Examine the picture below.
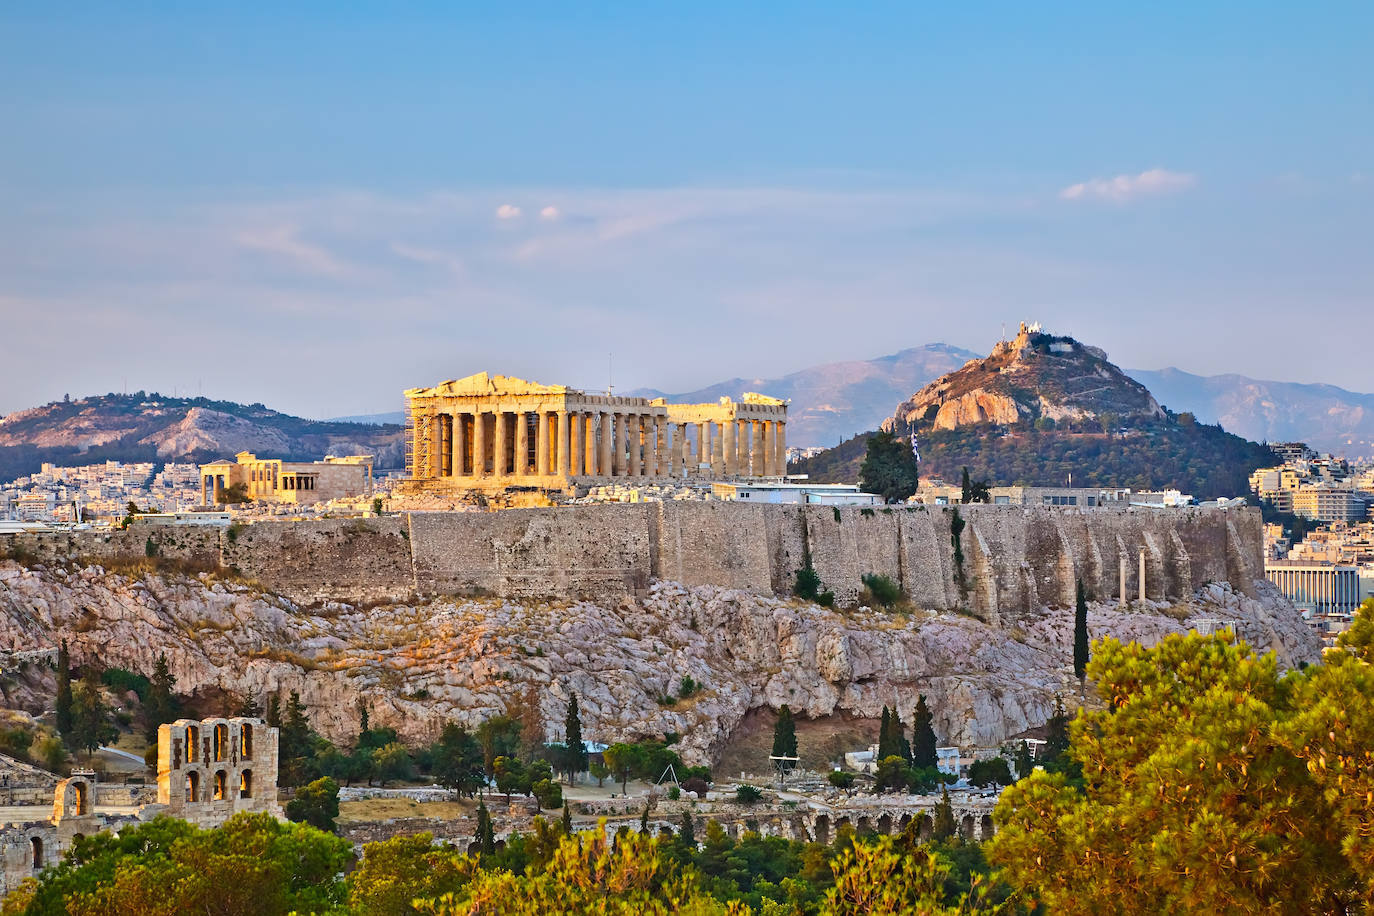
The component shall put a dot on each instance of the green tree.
(894, 773)
(992, 772)
(458, 761)
(808, 584)
(889, 468)
(840, 779)
(1056, 733)
(64, 691)
(1080, 632)
(599, 772)
(484, 837)
(624, 760)
(923, 740)
(975, 491)
(575, 754)
(942, 826)
(91, 726)
(499, 736)
(511, 776)
(316, 804)
(785, 737)
(395, 872)
(249, 706)
(879, 879)
(567, 822)
(1211, 784)
(161, 705)
(1024, 763)
(392, 762)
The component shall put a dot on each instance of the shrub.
(826, 598)
(808, 582)
(841, 780)
(549, 793)
(687, 687)
(884, 590)
(696, 785)
(748, 795)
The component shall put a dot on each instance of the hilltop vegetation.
(1203, 460)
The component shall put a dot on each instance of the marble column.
(499, 468)
(576, 452)
(664, 466)
(522, 444)
(1142, 574)
(479, 444)
(782, 447)
(589, 443)
(1125, 599)
(618, 450)
(717, 451)
(460, 441)
(541, 444)
(650, 445)
(564, 452)
(756, 463)
(604, 468)
(703, 455)
(634, 434)
(729, 431)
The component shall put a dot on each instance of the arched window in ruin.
(37, 852)
(985, 827)
(822, 829)
(221, 742)
(192, 743)
(221, 783)
(83, 802)
(246, 742)
(885, 824)
(966, 827)
(246, 784)
(193, 786)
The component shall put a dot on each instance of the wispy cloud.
(1125, 188)
(286, 242)
(432, 256)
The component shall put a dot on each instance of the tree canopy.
(889, 468)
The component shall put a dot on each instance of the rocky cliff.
(1035, 375)
(419, 665)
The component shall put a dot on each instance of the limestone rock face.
(465, 659)
(978, 406)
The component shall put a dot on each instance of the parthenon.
(488, 432)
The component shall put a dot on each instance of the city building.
(1327, 503)
(488, 433)
(941, 494)
(1319, 587)
(820, 494)
(295, 482)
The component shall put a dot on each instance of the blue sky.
(316, 208)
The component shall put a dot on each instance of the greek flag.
(915, 449)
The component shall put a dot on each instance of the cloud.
(285, 241)
(549, 213)
(431, 256)
(507, 211)
(1124, 188)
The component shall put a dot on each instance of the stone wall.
(1014, 558)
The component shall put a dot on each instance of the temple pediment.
(485, 385)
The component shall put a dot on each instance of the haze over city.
(319, 207)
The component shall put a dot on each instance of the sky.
(317, 207)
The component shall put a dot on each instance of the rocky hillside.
(1034, 376)
(418, 666)
(151, 427)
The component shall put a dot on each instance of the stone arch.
(246, 784)
(221, 748)
(192, 743)
(865, 824)
(822, 829)
(83, 798)
(924, 827)
(221, 785)
(474, 847)
(37, 845)
(966, 827)
(246, 741)
(842, 823)
(985, 828)
(885, 824)
(905, 820)
(193, 786)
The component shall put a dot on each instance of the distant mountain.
(1328, 418)
(832, 402)
(1042, 409)
(392, 418)
(151, 427)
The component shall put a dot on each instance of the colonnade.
(1326, 588)
(597, 443)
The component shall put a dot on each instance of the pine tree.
(64, 691)
(687, 835)
(1057, 732)
(889, 468)
(250, 707)
(1080, 634)
(943, 827)
(91, 726)
(274, 711)
(485, 837)
(575, 755)
(923, 740)
(567, 820)
(161, 706)
(785, 737)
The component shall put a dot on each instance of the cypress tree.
(567, 820)
(161, 706)
(967, 495)
(886, 747)
(687, 835)
(250, 706)
(923, 740)
(485, 837)
(575, 756)
(1080, 634)
(943, 827)
(902, 747)
(64, 691)
(785, 736)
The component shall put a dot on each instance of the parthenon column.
(618, 454)
(782, 447)
(1142, 574)
(650, 445)
(742, 430)
(589, 443)
(460, 443)
(703, 453)
(729, 431)
(757, 466)
(564, 452)
(522, 444)
(604, 468)
(499, 454)
(665, 467)
(717, 451)
(576, 453)
(633, 433)
(541, 444)
(479, 444)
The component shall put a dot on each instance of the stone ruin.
(207, 771)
